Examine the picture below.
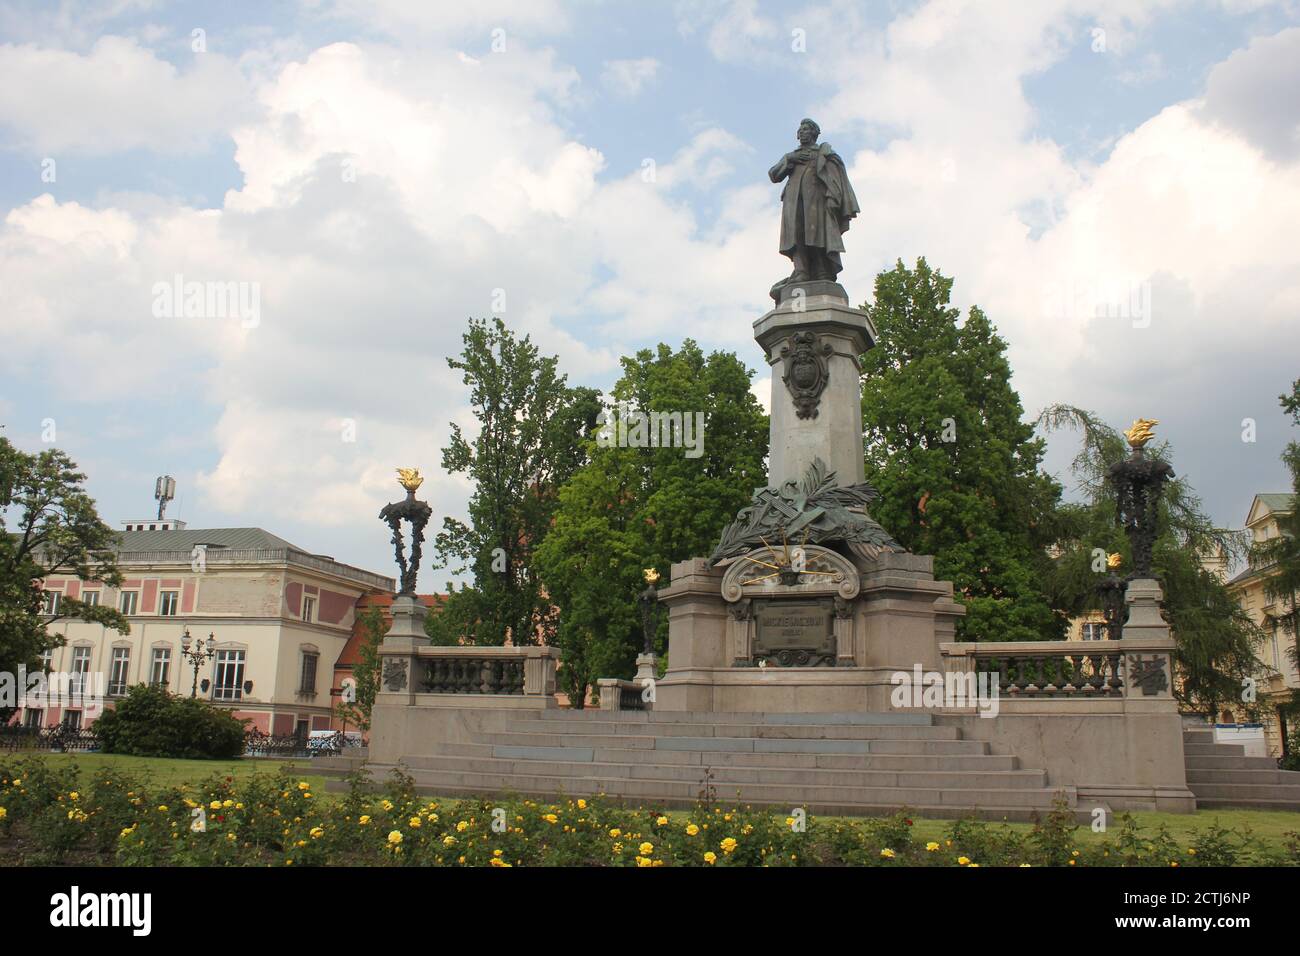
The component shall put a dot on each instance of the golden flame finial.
(650, 575)
(1113, 561)
(409, 478)
(1141, 432)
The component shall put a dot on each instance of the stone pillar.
(1148, 658)
(647, 667)
(812, 340)
(397, 674)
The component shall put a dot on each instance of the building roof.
(235, 545)
(1279, 501)
(249, 539)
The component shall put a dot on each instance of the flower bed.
(47, 818)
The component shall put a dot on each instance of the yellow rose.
(395, 837)
(616, 832)
(364, 819)
(932, 846)
(646, 848)
(582, 804)
(962, 860)
(710, 858)
(887, 853)
(692, 829)
(728, 845)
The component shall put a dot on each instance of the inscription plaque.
(795, 633)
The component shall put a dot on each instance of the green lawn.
(162, 771)
(1270, 826)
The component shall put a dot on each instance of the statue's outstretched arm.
(780, 170)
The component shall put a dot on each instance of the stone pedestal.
(889, 616)
(812, 340)
(398, 649)
(647, 667)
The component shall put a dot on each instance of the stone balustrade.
(1046, 670)
(617, 694)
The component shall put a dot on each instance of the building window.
(160, 668)
(80, 668)
(229, 676)
(50, 602)
(72, 719)
(47, 659)
(309, 608)
(128, 601)
(307, 685)
(33, 718)
(168, 603)
(90, 598)
(117, 675)
(1094, 631)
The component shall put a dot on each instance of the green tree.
(529, 442)
(631, 508)
(1215, 637)
(48, 527)
(365, 671)
(957, 467)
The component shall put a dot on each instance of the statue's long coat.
(818, 183)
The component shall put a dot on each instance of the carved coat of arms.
(806, 372)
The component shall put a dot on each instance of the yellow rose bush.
(52, 816)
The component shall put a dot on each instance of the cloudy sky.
(1116, 183)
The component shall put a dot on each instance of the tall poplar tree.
(530, 440)
(956, 464)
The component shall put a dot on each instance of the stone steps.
(955, 779)
(1222, 777)
(827, 761)
(765, 731)
(929, 801)
(861, 764)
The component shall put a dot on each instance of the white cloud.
(116, 97)
(629, 77)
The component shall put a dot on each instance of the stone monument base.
(889, 615)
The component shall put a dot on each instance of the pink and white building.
(279, 616)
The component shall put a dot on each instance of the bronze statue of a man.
(817, 204)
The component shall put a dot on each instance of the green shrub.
(150, 722)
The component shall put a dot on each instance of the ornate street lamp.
(647, 662)
(1139, 482)
(203, 651)
(1111, 591)
(406, 632)
(418, 514)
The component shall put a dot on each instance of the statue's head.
(808, 132)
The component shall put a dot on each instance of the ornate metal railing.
(1080, 674)
(472, 675)
(58, 738)
(258, 744)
